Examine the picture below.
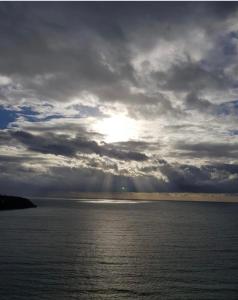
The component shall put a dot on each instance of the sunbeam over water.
(97, 249)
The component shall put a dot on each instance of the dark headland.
(13, 202)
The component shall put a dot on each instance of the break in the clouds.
(105, 96)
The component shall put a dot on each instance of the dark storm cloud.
(136, 145)
(17, 159)
(65, 145)
(159, 106)
(77, 46)
(63, 126)
(192, 76)
(208, 150)
(204, 178)
(63, 181)
(193, 101)
(56, 44)
(5, 138)
(180, 178)
(45, 144)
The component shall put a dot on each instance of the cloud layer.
(169, 68)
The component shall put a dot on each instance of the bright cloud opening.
(118, 129)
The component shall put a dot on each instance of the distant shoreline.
(188, 197)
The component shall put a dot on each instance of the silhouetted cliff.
(12, 202)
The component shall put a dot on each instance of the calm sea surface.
(67, 249)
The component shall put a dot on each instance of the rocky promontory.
(13, 202)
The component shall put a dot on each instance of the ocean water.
(67, 249)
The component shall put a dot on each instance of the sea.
(104, 250)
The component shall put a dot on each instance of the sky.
(118, 96)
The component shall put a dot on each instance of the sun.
(118, 129)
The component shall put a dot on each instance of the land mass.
(13, 202)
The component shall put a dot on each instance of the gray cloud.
(67, 146)
(76, 51)
(78, 179)
(205, 178)
(192, 76)
(208, 149)
(136, 145)
(180, 178)
(170, 67)
(192, 101)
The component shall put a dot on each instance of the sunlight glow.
(118, 129)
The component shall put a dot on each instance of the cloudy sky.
(118, 97)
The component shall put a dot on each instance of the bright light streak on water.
(98, 250)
